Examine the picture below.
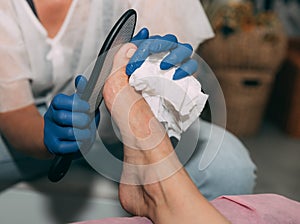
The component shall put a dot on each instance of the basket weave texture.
(245, 63)
(246, 93)
(260, 48)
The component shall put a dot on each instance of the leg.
(231, 171)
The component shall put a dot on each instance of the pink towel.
(258, 209)
(244, 209)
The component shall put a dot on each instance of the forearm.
(24, 131)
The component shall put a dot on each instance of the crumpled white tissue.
(176, 104)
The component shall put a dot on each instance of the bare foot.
(154, 183)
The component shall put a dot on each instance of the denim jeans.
(229, 171)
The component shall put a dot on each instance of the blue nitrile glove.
(180, 54)
(68, 125)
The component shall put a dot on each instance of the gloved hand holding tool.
(68, 124)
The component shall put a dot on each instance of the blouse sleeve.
(186, 19)
(15, 90)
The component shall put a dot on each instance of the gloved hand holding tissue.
(161, 68)
(179, 53)
(175, 103)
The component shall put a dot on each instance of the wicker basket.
(246, 93)
(245, 55)
(260, 48)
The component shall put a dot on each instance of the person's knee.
(222, 168)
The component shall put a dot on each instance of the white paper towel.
(176, 104)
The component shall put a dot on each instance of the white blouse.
(34, 67)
